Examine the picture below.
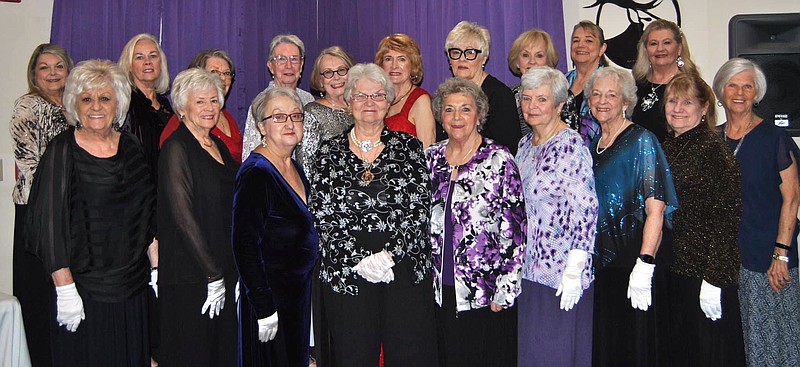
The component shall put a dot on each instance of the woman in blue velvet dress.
(274, 240)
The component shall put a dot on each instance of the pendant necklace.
(650, 100)
(396, 101)
(746, 129)
(454, 167)
(366, 145)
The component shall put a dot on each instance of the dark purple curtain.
(100, 28)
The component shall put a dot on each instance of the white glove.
(215, 301)
(711, 301)
(69, 307)
(268, 327)
(640, 284)
(154, 280)
(376, 268)
(570, 288)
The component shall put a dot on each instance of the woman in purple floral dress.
(478, 221)
(555, 309)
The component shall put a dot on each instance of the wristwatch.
(780, 258)
(648, 259)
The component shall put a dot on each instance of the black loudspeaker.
(773, 42)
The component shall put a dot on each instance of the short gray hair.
(371, 72)
(465, 30)
(261, 100)
(539, 76)
(289, 39)
(201, 59)
(625, 82)
(735, 66)
(195, 80)
(94, 74)
(461, 85)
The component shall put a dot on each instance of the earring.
(755, 104)
(483, 66)
(719, 103)
(263, 141)
(680, 62)
(703, 119)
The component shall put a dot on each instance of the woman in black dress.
(274, 240)
(90, 220)
(195, 190)
(146, 67)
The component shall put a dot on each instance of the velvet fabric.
(275, 248)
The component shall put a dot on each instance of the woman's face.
(460, 116)
(286, 65)
(534, 54)
(220, 67)
(50, 74)
(586, 47)
(202, 109)
(683, 113)
(398, 66)
(662, 48)
(739, 93)
(97, 108)
(467, 69)
(284, 134)
(146, 64)
(605, 100)
(334, 86)
(539, 107)
(368, 111)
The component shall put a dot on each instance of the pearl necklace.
(366, 145)
(611, 142)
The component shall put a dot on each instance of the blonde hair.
(126, 60)
(642, 66)
(532, 37)
(469, 30)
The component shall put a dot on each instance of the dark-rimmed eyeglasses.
(329, 73)
(280, 118)
(281, 60)
(375, 97)
(224, 74)
(469, 54)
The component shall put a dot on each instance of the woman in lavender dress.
(561, 204)
(478, 221)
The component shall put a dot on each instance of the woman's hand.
(496, 308)
(778, 274)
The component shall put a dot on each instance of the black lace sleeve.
(176, 191)
(48, 219)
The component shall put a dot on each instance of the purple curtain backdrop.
(100, 28)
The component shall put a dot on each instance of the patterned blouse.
(321, 123)
(488, 225)
(34, 122)
(251, 138)
(561, 204)
(356, 219)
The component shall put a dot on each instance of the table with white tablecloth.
(13, 346)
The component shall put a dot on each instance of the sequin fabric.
(321, 123)
(626, 174)
(706, 228)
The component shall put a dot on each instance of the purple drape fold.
(100, 28)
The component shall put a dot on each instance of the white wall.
(704, 22)
(23, 26)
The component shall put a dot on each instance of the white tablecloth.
(13, 346)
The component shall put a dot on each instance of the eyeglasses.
(282, 60)
(469, 54)
(224, 74)
(280, 118)
(376, 97)
(329, 73)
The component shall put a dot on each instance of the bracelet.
(780, 258)
(782, 246)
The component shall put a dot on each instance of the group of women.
(595, 218)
